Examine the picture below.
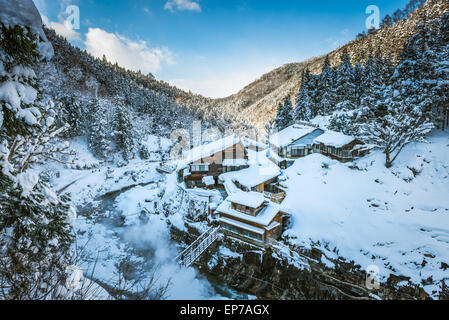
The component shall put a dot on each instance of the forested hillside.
(96, 95)
(257, 102)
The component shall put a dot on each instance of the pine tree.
(402, 124)
(325, 90)
(99, 141)
(122, 126)
(415, 77)
(306, 107)
(35, 231)
(346, 88)
(284, 116)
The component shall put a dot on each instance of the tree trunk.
(388, 163)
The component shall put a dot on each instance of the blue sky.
(212, 47)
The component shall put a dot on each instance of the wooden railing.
(196, 249)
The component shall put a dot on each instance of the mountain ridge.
(256, 103)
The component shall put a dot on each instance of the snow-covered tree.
(401, 125)
(99, 140)
(325, 91)
(35, 229)
(306, 107)
(122, 126)
(345, 84)
(284, 116)
(44, 144)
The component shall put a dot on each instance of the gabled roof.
(249, 199)
(334, 139)
(260, 170)
(290, 134)
(235, 162)
(210, 149)
(264, 218)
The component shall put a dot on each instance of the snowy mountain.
(257, 102)
(87, 213)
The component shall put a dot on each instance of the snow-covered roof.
(208, 150)
(273, 225)
(253, 143)
(308, 139)
(334, 139)
(290, 134)
(249, 199)
(235, 162)
(264, 218)
(209, 181)
(260, 170)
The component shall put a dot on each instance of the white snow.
(157, 144)
(290, 134)
(209, 181)
(249, 199)
(373, 215)
(264, 218)
(247, 143)
(235, 162)
(207, 150)
(335, 139)
(27, 181)
(224, 251)
(260, 170)
(13, 93)
(24, 13)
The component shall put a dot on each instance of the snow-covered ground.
(105, 191)
(396, 219)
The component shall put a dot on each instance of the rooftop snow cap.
(210, 149)
(249, 199)
(290, 134)
(25, 14)
(334, 139)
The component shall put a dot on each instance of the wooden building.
(202, 165)
(338, 146)
(248, 216)
(293, 142)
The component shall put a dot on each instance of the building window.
(200, 168)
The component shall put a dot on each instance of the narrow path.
(71, 183)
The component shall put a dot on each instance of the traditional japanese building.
(261, 176)
(250, 217)
(202, 165)
(293, 142)
(338, 146)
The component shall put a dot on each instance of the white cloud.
(182, 5)
(134, 55)
(63, 29)
(217, 87)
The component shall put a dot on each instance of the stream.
(104, 211)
